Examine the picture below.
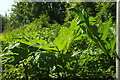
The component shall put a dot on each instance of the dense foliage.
(76, 42)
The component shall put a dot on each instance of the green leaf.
(113, 42)
(92, 20)
(105, 29)
(63, 38)
(21, 49)
(47, 47)
(73, 23)
(81, 37)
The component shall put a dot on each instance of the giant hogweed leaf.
(39, 43)
(30, 41)
(105, 29)
(67, 36)
(113, 42)
(59, 41)
(61, 36)
(62, 40)
(77, 35)
(48, 47)
(112, 46)
(74, 23)
(69, 43)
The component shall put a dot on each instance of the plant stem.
(26, 69)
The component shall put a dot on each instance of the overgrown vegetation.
(79, 44)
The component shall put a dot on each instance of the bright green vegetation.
(79, 45)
